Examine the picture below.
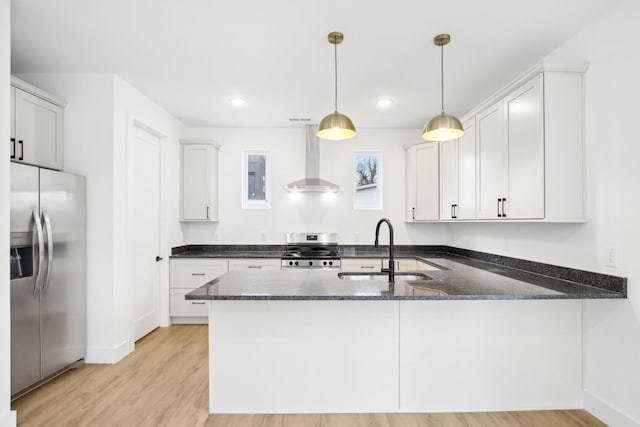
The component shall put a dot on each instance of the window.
(367, 188)
(255, 180)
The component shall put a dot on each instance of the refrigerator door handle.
(39, 234)
(47, 227)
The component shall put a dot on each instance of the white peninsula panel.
(303, 356)
(459, 356)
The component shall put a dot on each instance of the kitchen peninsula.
(495, 338)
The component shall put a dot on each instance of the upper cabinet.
(36, 126)
(199, 172)
(458, 175)
(511, 155)
(521, 156)
(422, 188)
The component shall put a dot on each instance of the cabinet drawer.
(181, 307)
(360, 264)
(254, 264)
(194, 273)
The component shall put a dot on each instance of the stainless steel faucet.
(391, 269)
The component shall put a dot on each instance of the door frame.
(134, 120)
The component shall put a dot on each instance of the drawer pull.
(197, 274)
(367, 266)
(197, 303)
(254, 266)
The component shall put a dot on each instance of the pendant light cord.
(442, 78)
(335, 73)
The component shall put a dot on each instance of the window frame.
(256, 204)
(378, 181)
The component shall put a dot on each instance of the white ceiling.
(191, 56)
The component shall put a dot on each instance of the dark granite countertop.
(459, 277)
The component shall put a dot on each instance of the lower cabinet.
(361, 264)
(254, 264)
(186, 275)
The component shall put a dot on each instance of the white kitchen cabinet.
(530, 151)
(186, 275)
(492, 161)
(361, 264)
(236, 264)
(458, 175)
(37, 121)
(448, 179)
(511, 147)
(199, 186)
(422, 182)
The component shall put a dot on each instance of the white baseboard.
(8, 419)
(104, 355)
(607, 412)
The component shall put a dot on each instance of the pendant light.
(336, 126)
(442, 127)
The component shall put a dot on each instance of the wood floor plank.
(164, 382)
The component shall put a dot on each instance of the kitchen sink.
(400, 276)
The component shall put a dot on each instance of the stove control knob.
(296, 262)
(290, 262)
(330, 262)
(310, 262)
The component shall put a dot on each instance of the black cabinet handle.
(455, 214)
(504, 214)
(413, 213)
(13, 148)
(499, 214)
(207, 212)
(21, 144)
(159, 258)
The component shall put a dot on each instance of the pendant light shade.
(442, 127)
(336, 126)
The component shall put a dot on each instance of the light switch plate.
(610, 257)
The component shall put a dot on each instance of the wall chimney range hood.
(312, 182)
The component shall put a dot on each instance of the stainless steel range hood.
(312, 181)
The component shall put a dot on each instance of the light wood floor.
(164, 383)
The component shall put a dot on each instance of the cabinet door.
(426, 182)
(466, 208)
(199, 182)
(524, 112)
(492, 159)
(12, 121)
(448, 178)
(38, 131)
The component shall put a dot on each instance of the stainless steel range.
(311, 250)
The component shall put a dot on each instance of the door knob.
(159, 258)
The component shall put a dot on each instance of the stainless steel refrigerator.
(48, 274)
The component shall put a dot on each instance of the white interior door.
(145, 230)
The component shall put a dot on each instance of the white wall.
(611, 328)
(98, 117)
(7, 417)
(308, 211)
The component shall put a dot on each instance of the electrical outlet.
(610, 257)
(356, 237)
(263, 236)
(216, 237)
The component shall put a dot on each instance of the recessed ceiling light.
(237, 102)
(384, 103)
